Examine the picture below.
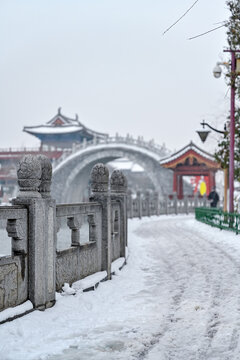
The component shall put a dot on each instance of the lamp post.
(235, 67)
(203, 134)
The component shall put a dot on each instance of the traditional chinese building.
(62, 131)
(191, 161)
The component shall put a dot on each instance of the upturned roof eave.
(80, 129)
(186, 148)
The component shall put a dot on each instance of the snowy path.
(178, 298)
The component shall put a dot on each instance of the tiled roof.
(185, 149)
(61, 124)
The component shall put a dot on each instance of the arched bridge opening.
(70, 177)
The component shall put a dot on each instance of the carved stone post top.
(118, 182)
(29, 167)
(29, 176)
(99, 178)
(46, 176)
(34, 176)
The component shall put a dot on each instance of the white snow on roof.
(184, 150)
(68, 126)
(53, 130)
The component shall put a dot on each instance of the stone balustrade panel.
(14, 268)
(79, 260)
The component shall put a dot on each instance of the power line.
(206, 32)
(180, 17)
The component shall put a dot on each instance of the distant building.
(62, 131)
(193, 162)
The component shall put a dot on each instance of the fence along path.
(35, 269)
(148, 204)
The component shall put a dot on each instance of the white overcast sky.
(108, 61)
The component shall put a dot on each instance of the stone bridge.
(72, 170)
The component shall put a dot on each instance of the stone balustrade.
(149, 204)
(36, 269)
(128, 140)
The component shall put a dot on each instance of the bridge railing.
(36, 269)
(148, 204)
(128, 140)
(14, 267)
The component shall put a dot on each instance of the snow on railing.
(129, 140)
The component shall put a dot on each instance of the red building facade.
(191, 161)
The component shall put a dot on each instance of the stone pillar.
(196, 200)
(119, 193)
(147, 201)
(175, 203)
(186, 204)
(100, 193)
(130, 204)
(205, 200)
(166, 205)
(156, 202)
(139, 204)
(34, 179)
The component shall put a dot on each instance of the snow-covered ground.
(178, 298)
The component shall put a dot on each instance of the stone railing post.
(175, 203)
(166, 205)
(205, 200)
(130, 204)
(101, 194)
(34, 179)
(119, 193)
(147, 201)
(186, 204)
(156, 202)
(139, 204)
(195, 200)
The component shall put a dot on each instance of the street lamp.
(204, 134)
(234, 72)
